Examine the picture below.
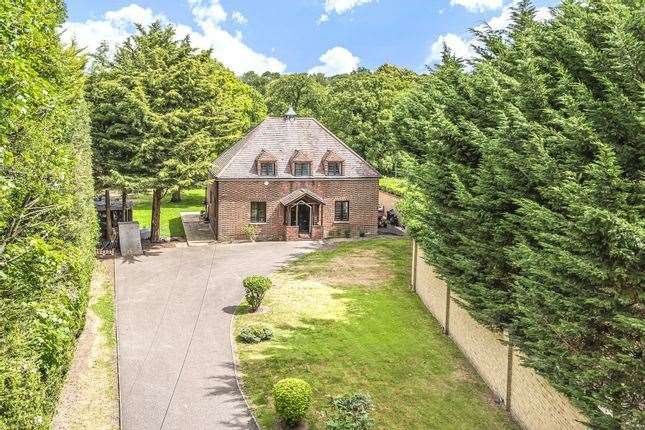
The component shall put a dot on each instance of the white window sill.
(258, 223)
(341, 222)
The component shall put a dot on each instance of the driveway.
(174, 309)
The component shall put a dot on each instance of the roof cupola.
(290, 115)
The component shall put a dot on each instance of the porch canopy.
(301, 194)
(303, 208)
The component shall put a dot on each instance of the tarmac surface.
(174, 312)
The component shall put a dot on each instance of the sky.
(287, 36)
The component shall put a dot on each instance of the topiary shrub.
(255, 334)
(292, 398)
(256, 287)
(351, 412)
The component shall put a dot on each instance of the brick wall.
(531, 400)
(231, 200)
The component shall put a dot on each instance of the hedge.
(47, 221)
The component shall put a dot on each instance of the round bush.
(292, 398)
(256, 287)
(255, 334)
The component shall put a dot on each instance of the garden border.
(236, 365)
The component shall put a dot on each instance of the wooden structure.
(117, 211)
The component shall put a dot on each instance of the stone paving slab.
(198, 232)
(174, 309)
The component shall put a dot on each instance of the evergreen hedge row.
(47, 222)
(529, 162)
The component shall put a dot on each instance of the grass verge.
(345, 320)
(89, 398)
(191, 201)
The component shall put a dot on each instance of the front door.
(304, 218)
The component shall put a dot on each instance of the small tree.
(256, 287)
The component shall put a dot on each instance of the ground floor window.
(258, 212)
(341, 210)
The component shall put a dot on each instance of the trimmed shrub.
(256, 287)
(255, 334)
(251, 232)
(292, 398)
(351, 412)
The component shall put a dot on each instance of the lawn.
(191, 201)
(344, 320)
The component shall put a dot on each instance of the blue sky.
(328, 36)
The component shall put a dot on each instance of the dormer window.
(301, 163)
(265, 163)
(334, 168)
(267, 168)
(301, 168)
(333, 163)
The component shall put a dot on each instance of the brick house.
(292, 178)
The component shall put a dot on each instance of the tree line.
(527, 166)
(358, 107)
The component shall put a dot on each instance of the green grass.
(345, 320)
(191, 201)
(396, 186)
(104, 309)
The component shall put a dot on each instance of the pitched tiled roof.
(301, 156)
(266, 156)
(298, 194)
(332, 157)
(282, 138)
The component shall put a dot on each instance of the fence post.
(509, 372)
(415, 257)
(446, 326)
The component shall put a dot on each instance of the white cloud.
(543, 14)
(212, 12)
(114, 28)
(133, 14)
(340, 7)
(460, 47)
(238, 17)
(208, 15)
(477, 5)
(335, 61)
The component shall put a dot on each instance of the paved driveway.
(174, 309)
